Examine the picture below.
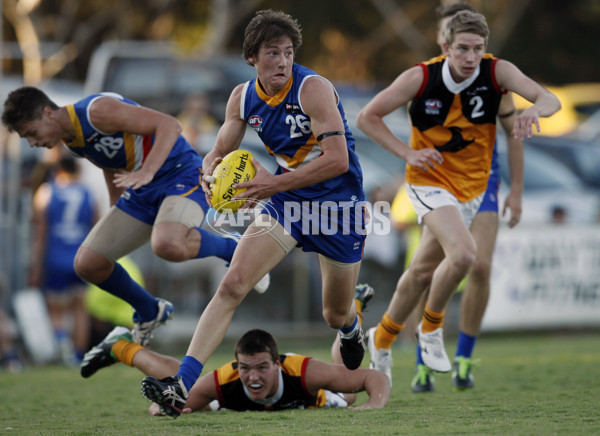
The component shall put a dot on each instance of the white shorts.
(427, 198)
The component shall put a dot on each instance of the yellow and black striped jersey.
(459, 120)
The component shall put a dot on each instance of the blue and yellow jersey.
(286, 131)
(459, 120)
(231, 393)
(119, 151)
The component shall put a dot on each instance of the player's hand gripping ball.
(236, 167)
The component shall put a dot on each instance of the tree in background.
(349, 41)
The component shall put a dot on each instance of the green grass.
(527, 385)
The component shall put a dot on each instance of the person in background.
(64, 211)
(196, 121)
(559, 215)
(455, 99)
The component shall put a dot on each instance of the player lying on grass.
(259, 379)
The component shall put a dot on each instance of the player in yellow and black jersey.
(455, 100)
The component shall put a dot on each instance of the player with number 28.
(153, 179)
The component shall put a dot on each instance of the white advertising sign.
(546, 276)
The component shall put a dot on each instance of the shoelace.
(422, 374)
(465, 364)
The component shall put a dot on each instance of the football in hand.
(235, 168)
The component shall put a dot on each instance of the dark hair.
(24, 104)
(257, 341)
(268, 25)
(449, 10)
(68, 165)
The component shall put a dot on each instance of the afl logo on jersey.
(433, 106)
(255, 122)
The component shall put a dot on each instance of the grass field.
(544, 384)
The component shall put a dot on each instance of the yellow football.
(236, 167)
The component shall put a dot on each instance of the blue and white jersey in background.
(69, 218)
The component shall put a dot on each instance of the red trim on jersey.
(303, 375)
(494, 82)
(147, 142)
(425, 79)
(218, 387)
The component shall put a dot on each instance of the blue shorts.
(183, 180)
(337, 231)
(490, 198)
(59, 276)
